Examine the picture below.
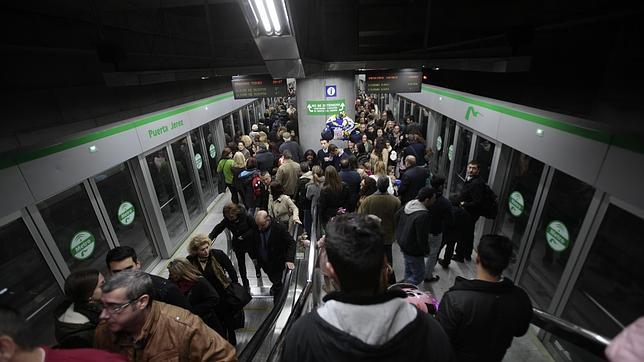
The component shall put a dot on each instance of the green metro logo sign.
(473, 112)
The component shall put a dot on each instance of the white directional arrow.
(342, 106)
(309, 107)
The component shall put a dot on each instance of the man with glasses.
(137, 326)
(124, 258)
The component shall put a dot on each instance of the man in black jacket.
(412, 180)
(472, 200)
(442, 217)
(124, 258)
(412, 233)
(481, 316)
(265, 159)
(275, 249)
(325, 158)
(363, 321)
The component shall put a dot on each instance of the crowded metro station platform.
(255, 205)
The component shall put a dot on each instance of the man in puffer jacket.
(412, 232)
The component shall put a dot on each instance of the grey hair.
(383, 183)
(136, 283)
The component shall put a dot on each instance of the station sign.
(258, 86)
(406, 80)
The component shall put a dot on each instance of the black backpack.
(490, 203)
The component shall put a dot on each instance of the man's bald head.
(262, 219)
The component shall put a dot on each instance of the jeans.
(234, 196)
(434, 249)
(414, 269)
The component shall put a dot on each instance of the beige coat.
(287, 175)
(284, 210)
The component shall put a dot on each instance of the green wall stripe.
(549, 122)
(45, 151)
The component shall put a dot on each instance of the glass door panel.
(228, 128)
(483, 154)
(461, 160)
(609, 293)
(213, 156)
(26, 282)
(200, 162)
(72, 222)
(517, 201)
(564, 211)
(237, 123)
(246, 119)
(184, 163)
(118, 192)
(438, 145)
(164, 187)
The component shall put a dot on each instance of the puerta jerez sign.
(406, 80)
(258, 86)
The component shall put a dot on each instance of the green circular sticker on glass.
(450, 152)
(212, 151)
(82, 245)
(126, 213)
(557, 236)
(515, 203)
(439, 143)
(198, 161)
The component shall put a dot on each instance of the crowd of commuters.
(367, 196)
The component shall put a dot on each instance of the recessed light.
(92, 149)
(204, 77)
(206, 107)
(539, 132)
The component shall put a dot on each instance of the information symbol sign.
(331, 91)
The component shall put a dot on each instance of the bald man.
(275, 249)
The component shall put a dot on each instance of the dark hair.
(276, 189)
(353, 162)
(474, 163)
(369, 187)
(332, 147)
(437, 181)
(332, 179)
(13, 325)
(251, 163)
(80, 285)
(379, 145)
(354, 246)
(344, 164)
(304, 166)
(310, 152)
(383, 183)
(426, 193)
(287, 154)
(494, 252)
(226, 152)
(120, 253)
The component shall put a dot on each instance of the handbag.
(237, 296)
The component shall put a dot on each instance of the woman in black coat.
(202, 296)
(241, 225)
(217, 268)
(333, 196)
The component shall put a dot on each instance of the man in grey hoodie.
(363, 321)
(412, 232)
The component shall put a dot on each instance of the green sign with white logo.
(198, 161)
(212, 151)
(323, 108)
(439, 143)
(515, 203)
(557, 236)
(82, 245)
(450, 153)
(126, 213)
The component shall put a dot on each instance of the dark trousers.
(276, 278)
(466, 243)
(241, 266)
(226, 316)
(234, 195)
(390, 260)
(449, 250)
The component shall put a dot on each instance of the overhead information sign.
(254, 86)
(394, 81)
(315, 108)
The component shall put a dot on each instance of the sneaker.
(432, 279)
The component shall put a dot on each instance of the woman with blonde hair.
(217, 268)
(202, 296)
(379, 153)
(239, 165)
(281, 207)
(381, 170)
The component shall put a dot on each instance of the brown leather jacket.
(169, 334)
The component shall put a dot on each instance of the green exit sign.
(323, 108)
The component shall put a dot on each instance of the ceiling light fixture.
(263, 15)
(273, 14)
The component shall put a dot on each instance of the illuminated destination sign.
(394, 81)
(252, 86)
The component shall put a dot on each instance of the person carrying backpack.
(477, 199)
(247, 178)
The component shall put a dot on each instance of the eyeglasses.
(117, 308)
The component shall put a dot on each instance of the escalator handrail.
(588, 340)
(255, 343)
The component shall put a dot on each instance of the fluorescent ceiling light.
(285, 12)
(273, 13)
(252, 9)
(259, 4)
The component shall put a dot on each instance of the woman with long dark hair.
(333, 196)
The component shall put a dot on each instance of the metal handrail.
(255, 343)
(581, 337)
